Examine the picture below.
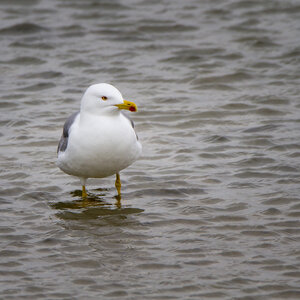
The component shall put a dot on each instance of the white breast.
(100, 146)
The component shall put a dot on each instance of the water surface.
(211, 210)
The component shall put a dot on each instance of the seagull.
(99, 140)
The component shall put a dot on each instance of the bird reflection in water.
(91, 207)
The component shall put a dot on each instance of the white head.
(103, 98)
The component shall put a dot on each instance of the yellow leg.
(84, 194)
(118, 184)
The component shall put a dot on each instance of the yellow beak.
(127, 105)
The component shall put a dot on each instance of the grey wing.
(130, 120)
(132, 124)
(63, 143)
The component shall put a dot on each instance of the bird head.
(103, 97)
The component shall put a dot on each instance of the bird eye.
(104, 98)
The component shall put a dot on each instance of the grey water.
(211, 210)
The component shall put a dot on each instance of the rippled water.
(211, 210)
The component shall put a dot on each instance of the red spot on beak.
(132, 108)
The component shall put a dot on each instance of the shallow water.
(211, 210)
